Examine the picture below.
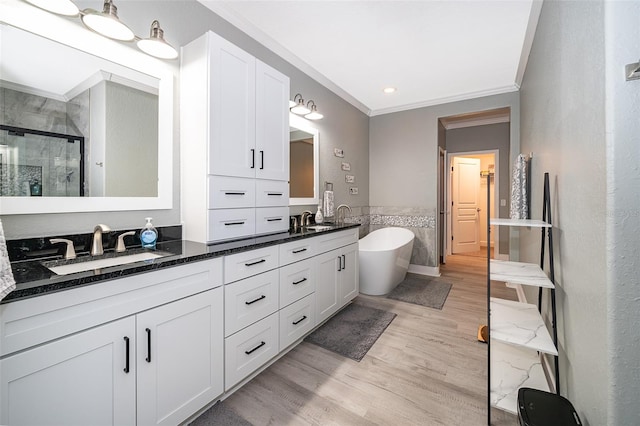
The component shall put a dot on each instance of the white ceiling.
(432, 51)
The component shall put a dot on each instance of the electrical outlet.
(346, 167)
(503, 202)
(353, 190)
(349, 178)
(338, 152)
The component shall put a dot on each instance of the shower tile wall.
(60, 173)
(422, 222)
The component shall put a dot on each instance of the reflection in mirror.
(304, 151)
(79, 84)
(115, 118)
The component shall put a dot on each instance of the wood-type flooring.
(427, 368)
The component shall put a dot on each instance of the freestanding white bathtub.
(384, 259)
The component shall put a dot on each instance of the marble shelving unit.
(517, 333)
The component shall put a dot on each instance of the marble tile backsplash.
(422, 222)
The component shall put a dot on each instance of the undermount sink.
(318, 227)
(88, 265)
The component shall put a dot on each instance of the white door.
(272, 123)
(232, 95)
(466, 208)
(180, 358)
(88, 378)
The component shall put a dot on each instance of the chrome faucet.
(96, 244)
(340, 217)
(304, 218)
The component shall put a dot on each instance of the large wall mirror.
(304, 148)
(86, 124)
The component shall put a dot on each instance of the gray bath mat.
(421, 290)
(220, 415)
(352, 331)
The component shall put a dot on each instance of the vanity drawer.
(271, 193)
(242, 265)
(271, 220)
(297, 250)
(249, 349)
(296, 320)
(250, 300)
(231, 192)
(333, 240)
(297, 281)
(226, 224)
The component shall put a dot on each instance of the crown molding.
(447, 99)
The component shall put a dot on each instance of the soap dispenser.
(319, 217)
(148, 235)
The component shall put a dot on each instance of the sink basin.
(318, 227)
(72, 268)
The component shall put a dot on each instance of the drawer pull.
(275, 194)
(304, 317)
(275, 219)
(339, 264)
(234, 193)
(126, 361)
(253, 158)
(298, 282)
(299, 251)
(261, 160)
(344, 263)
(250, 351)
(255, 263)
(148, 358)
(251, 302)
(233, 223)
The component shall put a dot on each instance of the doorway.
(467, 194)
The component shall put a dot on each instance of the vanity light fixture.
(155, 45)
(314, 114)
(60, 7)
(299, 107)
(107, 24)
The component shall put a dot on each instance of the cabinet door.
(327, 279)
(272, 123)
(180, 358)
(78, 380)
(232, 114)
(349, 274)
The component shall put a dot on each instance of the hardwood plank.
(427, 368)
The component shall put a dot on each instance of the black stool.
(539, 408)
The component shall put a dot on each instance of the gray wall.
(482, 138)
(563, 124)
(344, 126)
(622, 35)
(404, 153)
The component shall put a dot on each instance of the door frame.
(496, 196)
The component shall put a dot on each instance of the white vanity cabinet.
(179, 358)
(145, 349)
(235, 138)
(337, 274)
(78, 380)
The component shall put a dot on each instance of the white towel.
(519, 207)
(7, 283)
(328, 204)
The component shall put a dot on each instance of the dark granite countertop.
(34, 279)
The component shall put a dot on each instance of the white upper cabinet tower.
(234, 121)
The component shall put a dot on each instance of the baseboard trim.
(431, 271)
